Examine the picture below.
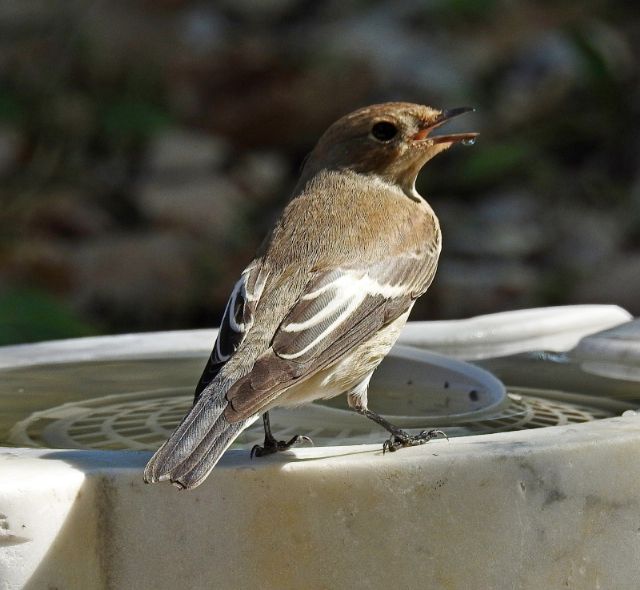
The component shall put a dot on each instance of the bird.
(328, 292)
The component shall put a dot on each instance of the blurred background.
(147, 145)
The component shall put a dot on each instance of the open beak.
(446, 115)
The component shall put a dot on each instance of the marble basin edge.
(549, 508)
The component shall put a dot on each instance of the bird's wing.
(236, 321)
(338, 310)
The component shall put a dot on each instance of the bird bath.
(535, 488)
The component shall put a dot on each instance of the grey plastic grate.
(143, 420)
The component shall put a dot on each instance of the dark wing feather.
(236, 320)
(338, 310)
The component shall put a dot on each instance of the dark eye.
(384, 131)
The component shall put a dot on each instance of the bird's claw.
(277, 446)
(401, 439)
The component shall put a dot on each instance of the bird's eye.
(384, 131)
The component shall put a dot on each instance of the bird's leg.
(271, 445)
(399, 438)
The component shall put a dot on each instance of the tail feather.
(195, 447)
(193, 472)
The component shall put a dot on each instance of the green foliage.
(496, 161)
(130, 118)
(28, 315)
(10, 110)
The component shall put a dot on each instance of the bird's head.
(392, 140)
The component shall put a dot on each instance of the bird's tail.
(195, 447)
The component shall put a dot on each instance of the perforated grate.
(143, 420)
(526, 411)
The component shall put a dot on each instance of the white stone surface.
(183, 343)
(510, 332)
(614, 353)
(547, 328)
(535, 509)
(551, 508)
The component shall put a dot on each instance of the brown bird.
(330, 289)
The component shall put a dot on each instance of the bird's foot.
(401, 439)
(277, 446)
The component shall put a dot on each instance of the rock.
(539, 77)
(205, 205)
(506, 225)
(66, 214)
(202, 29)
(38, 262)
(183, 152)
(263, 100)
(399, 60)
(583, 238)
(261, 174)
(140, 278)
(615, 281)
(466, 288)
